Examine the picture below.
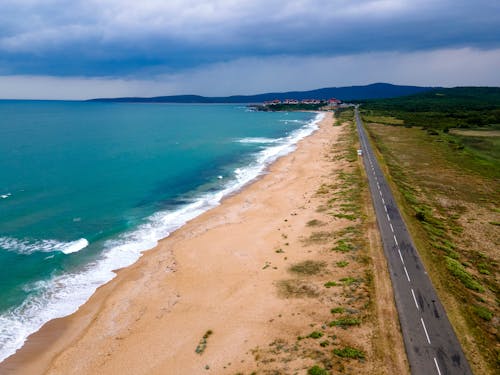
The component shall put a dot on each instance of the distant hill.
(373, 91)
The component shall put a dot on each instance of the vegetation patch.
(349, 352)
(294, 288)
(318, 237)
(343, 246)
(317, 370)
(308, 267)
(329, 284)
(388, 120)
(202, 345)
(337, 310)
(345, 322)
(315, 335)
(483, 312)
(459, 271)
(315, 223)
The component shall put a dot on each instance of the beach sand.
(222, 273)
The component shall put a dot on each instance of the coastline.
(152, 316)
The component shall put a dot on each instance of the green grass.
(343, 246)
(483, 312)
(345, 322)
(342, 264)
(349, 280)
(388, 120)
(329, 284)
(337, 310)
(315, 335)
(349, 352)
(459, 271)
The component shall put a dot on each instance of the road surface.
(431, 344)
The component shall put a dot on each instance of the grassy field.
(448, 185)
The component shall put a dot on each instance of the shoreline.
(177, 285)
(158, 225)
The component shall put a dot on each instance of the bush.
(317, 370)
(315, 335)
(345, 322)
(349, 352)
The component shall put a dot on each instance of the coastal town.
(331, 102)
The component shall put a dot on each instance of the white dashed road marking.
(407, 276)
(415, 299)
(437, 367)
(401, 257)
(425, 330)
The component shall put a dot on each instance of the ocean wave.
(5, 196)
(294, 121)
(63, 294)
(27, 246)
(259, 140)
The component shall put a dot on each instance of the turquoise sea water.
(85, 187)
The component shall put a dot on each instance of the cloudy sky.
(73, 49)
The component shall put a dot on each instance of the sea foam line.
(63, 294)
(27, 246)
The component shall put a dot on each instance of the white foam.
(64, 294)
(73, 247)
(30, 246)
(5, 196)
(259, 140)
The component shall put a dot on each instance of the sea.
(86, 187)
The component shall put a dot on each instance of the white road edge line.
(437, 367)
(425, 330)
(407, 276)
(415, 299)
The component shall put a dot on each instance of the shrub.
(317, 370)
(329, 284)
(315, 335)
(349, 352)
(337, 310)
(345, 322)
(459, 271)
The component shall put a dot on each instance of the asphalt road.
(431, 344)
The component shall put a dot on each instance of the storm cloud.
(156, 45)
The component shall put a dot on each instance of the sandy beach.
(221, 276)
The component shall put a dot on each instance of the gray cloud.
(116, 37)
(446, 67)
